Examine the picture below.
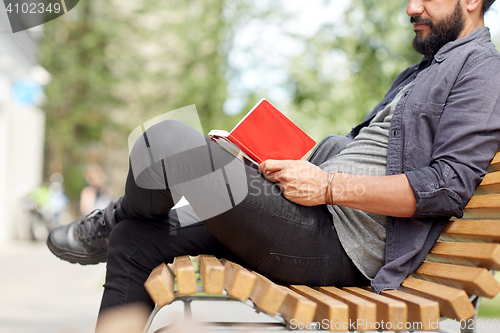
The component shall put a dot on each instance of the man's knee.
(170, 141)
(167, 138)
(171, 137)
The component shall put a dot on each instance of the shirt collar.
(482, 34)
(424, 63)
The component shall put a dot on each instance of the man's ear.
(473, 5)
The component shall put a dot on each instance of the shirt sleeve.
(466, 139)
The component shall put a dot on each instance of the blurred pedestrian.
(96, 194)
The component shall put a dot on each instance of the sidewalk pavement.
(41, 294)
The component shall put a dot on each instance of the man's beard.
(442, 32)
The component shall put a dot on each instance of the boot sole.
(74, 258)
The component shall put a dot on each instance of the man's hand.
(306, 184)
(301, 181)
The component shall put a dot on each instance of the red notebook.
(265, 133)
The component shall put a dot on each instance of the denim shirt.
(444, 133)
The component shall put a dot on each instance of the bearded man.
(362, 209)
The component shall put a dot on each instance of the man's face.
(436, 22)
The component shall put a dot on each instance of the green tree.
(118, 64)
(73, 50)
(348, 66)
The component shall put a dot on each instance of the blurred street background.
(73, 89)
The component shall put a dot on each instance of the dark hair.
(487, 4)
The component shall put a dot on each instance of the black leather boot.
(84, 241)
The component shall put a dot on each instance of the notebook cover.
(266, 133)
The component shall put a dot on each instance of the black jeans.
(289, 243)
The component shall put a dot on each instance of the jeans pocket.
(287, 269)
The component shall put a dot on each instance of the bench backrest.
(459, 264)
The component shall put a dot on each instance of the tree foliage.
(348, 66)
(116, 64)
(78, 98)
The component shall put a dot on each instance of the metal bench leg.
(150, 319)
(470, 325)
(188, 314)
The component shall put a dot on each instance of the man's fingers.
(270, 166)
(273, 176)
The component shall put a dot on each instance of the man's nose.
(414, 8)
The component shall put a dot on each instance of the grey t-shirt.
(362, 234)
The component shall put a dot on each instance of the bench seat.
(457, 271)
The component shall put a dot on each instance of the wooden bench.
(456, 273)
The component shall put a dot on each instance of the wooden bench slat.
(472, 230)
(453, 303)
(466, 254)
(239, 281)
(421, 311)
(267, 295)
(388, 309)
(495, 163)
(474, 280)
(483, 207)
(297, 307)
(361, 311)
(484, 201)
(160, 285)
(328, 308)
(211, 274)
(185, 276)
(490, 184)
